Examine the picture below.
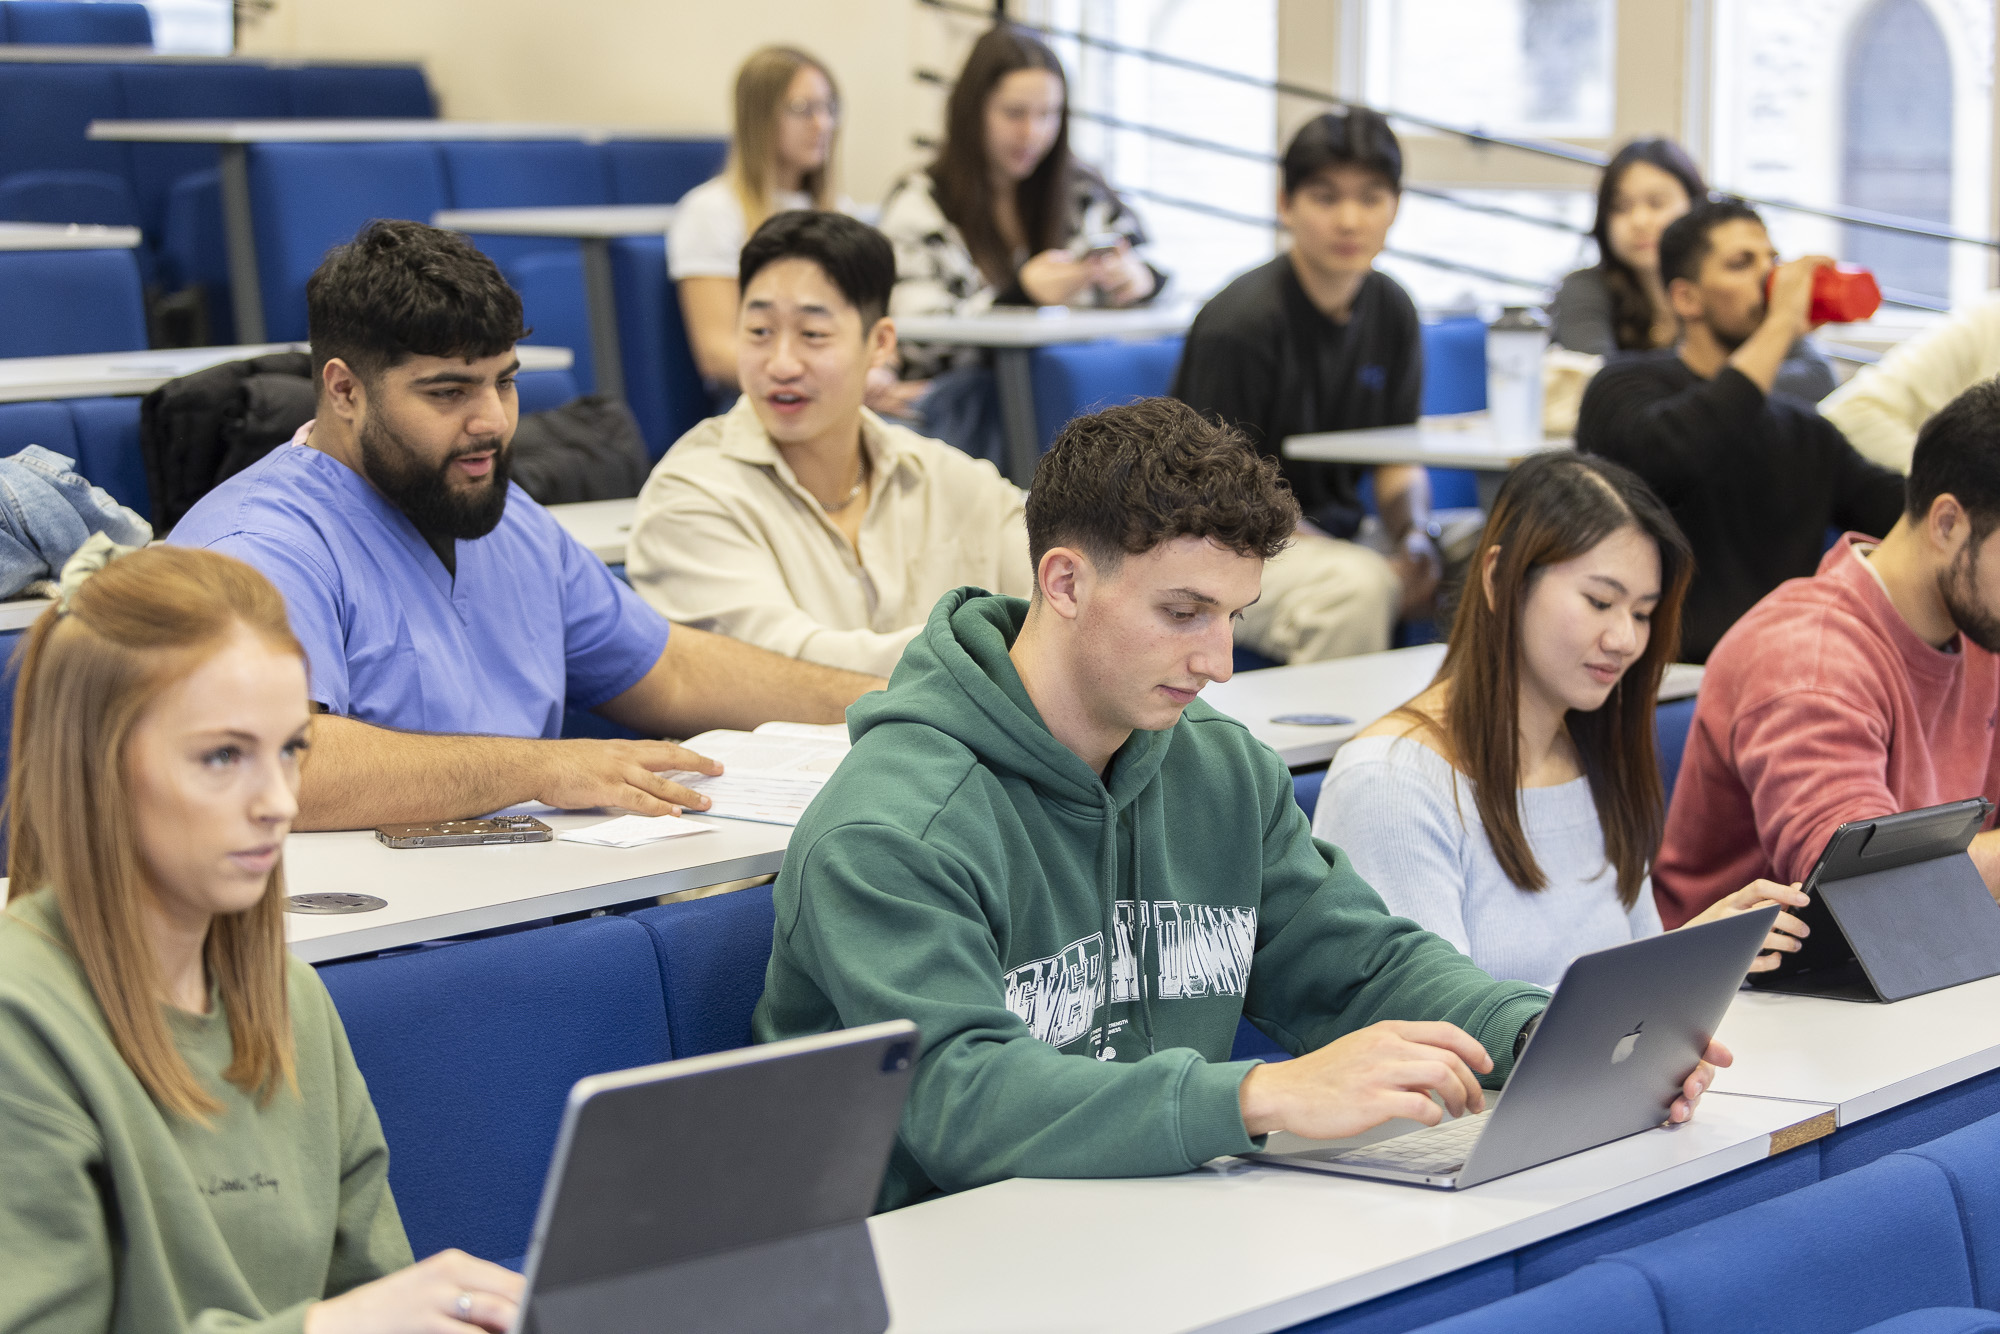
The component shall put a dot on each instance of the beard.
(1959, 587)
(423, 492)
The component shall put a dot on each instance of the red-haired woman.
(185, 1142)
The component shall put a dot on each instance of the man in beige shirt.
(800, 521)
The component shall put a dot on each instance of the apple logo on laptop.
(1627, 1043)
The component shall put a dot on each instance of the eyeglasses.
(811, 110)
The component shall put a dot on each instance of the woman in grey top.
(1619, 303)
(1514, 807)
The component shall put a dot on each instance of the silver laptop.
(727, 1192)
(1625, 1028)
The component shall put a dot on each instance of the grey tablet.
(1898, 910)
(726, 1192)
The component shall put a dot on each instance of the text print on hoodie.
(965, 870)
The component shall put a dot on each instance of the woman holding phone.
(185, 1141)
(1515, 807)
(1005, 216)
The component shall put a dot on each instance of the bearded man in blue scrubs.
(449, 621)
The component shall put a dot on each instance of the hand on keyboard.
(1385, 1070)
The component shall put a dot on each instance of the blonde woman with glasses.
(185, 1142)
(781, 157)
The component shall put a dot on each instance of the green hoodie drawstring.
(1107, 874)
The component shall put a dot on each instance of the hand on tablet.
(1786, 932)
(1353, 1084)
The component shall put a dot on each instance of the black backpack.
(202, 429)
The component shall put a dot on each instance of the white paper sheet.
(769, 775)
(633, 831)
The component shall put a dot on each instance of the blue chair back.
(1841, 1254)
(46, 423)
(541, 390)
(1670, 733)
(72, 195)
(59, 101)
(713, 953)
(660, 171)
(1072, 379)
(1970, 1161)
(529, 173)
(339, 92)
(1605, 1299)
(1454, 381)
(662, 387)
(54, 302)
(190, 92)
(308, 198)
(107, 449)
(553, 304)
(470, 1050)
(64, 23)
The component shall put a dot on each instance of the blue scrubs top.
(532, 623)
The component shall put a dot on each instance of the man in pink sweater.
(1872, 687)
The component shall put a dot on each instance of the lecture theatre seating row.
(65, 23)
(470, 1047)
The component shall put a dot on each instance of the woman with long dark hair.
(1515, 806)
(1005, 215)
(1619, 304)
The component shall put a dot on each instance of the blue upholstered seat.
(530, 173)
(662, 386)
(308, 198)
(337, 92)
(54, 302)
(1671, 721)
(469, 1051)
(64, 23)
(712, 953)
(1075, 378)
(1940, 1320)
(1454, 381)
(77, 194)
(101, 434)
(1970, 1161)
(660, 171)
(1604, 1299)
(1839, 1255)
(60, 101)
(553, 304)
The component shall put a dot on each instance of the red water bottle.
(1841, 294)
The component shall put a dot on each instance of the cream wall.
(667, 65)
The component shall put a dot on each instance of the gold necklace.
(860, 480)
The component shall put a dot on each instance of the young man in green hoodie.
(1076, 877)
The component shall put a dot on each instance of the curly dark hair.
(401, 289)
(1121, 481)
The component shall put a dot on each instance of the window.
(1540, 67)
(1200, 246)
(1879, 104)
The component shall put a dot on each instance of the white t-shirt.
(707, 236)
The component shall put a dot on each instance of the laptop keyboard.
(1438, 1150)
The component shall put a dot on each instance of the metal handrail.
(1859, 217)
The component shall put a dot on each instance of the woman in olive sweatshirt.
(185, 1142)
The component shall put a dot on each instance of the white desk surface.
(592, 222)
(89, 375)
(438, 892)
(1463, 440)
(65, 236)
(1362, 688)
(1264, 1248)
(358, 131)
(602, 525)
(1864, 1059)
(1012, 327)
(20, 613)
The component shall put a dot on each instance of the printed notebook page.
(768, 775)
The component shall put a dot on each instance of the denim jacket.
(47, 512)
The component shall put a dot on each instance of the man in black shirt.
(1754, 478)
(1317, 340)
